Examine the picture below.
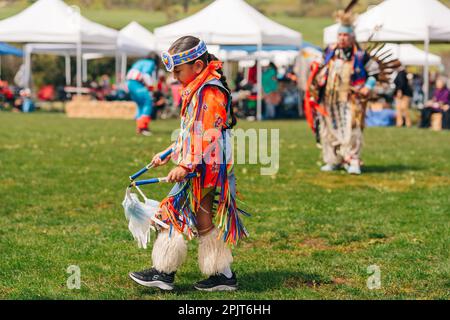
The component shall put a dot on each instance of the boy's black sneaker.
(154, 278)
(218, 282)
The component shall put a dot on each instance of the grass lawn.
(313, 235)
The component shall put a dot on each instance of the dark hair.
(273, 66)
(188, 42)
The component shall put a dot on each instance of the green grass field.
(313, 235)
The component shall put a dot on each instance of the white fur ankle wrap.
(169, 253)
(214, 256)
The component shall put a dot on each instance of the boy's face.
(186, 73)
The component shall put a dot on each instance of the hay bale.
(82, 108)
(436, 121)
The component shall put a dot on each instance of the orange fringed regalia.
(204, 145)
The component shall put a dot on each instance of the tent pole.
(79, 50)
(227, 65)
(79, 71)
(85, 71)
(259, 81)
(426, 80)
(123, 68)
(117, 66)
(27, 67)
(68, 73)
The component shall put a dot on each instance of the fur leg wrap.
(169, 252)
(214, 256)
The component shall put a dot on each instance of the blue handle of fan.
(158, 180)
(147, 167)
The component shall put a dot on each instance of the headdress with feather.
(346, 18)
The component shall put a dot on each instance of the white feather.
(140, 216)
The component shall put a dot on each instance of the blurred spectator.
(270, 87)
(159, 103)
(252, 75)
(446, 117)
(403, 94)
(118, 93)
(6, 94)
(238, 80)
(162, 85)
(175, 89)
(105, 83)
(27, 102)
(160, 96)
(379, 114)
(438, 104)
(418, 96)
(46, 93)
(95, 90)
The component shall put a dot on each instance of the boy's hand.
(177, 174)
(156, 161)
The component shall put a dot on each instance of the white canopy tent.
(410, 55)
(136, 41)
(133, 40)
(399, 21)
(67, 50)
(279, 58)
(52, 21)
(230, 22)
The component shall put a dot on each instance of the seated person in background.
(27, 103)
(438, 104)
(418, 95)
(159, 103)
(105, 85)
(5, 92)
(47, 93)
(446, 116)
(239, 78)
(379, 114)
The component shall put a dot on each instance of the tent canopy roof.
(134, 39)
(410, 55)
(70, 49)
(401, 21)
(53, 21)
(230, 22)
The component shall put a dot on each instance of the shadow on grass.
(278, 279)
(390, 168)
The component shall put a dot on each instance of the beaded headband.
(346, 29)
(170, 61)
